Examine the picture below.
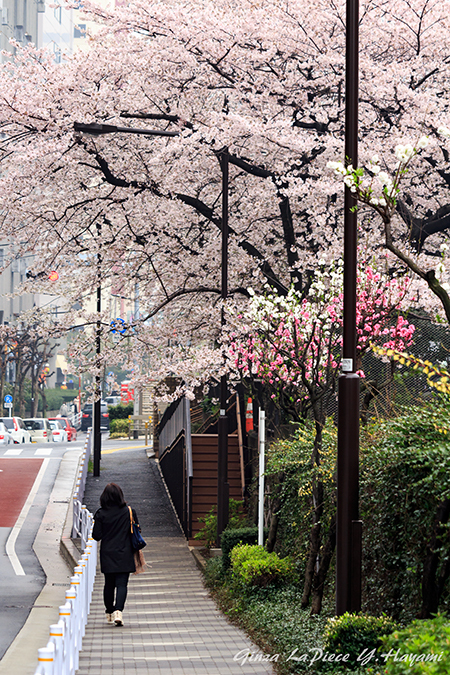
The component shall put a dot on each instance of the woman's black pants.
(115, 584)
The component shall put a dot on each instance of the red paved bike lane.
(16, 480)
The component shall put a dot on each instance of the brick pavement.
(171, 626)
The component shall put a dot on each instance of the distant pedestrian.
(63, 411)
(112, 527)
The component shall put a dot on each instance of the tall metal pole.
(348, 526)
(222, 449)
(98, 347)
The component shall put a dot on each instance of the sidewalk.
(171, 626)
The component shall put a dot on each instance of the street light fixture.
(95, 129)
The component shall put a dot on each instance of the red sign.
(126, 393)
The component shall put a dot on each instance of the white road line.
(11, 543)
(43, 451)
(15, 452)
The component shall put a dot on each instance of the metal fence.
(175, 459)
(396, 385)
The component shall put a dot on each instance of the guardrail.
(60, 655)
(175, 459)
(75, 420)
(79, 511)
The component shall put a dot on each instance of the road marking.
(11, 543)
(15, 452)
(44, 451)
(130, 447)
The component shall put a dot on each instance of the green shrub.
(357, 635)
(405, 475)
(208, 533)
(290, 460)
(422, 647)
(213, 573)
(254, 566)
(119, 426)
(120, 412)
(232, 537)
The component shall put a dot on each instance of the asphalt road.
(27, 476)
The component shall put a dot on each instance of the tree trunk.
(321, 574)
(276, 504)
(44, 399)
(314, 543)
(315, 537)
(432, 587)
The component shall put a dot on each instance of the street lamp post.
(98, 348)
(96, 129)
(223, 489)
(348, 525)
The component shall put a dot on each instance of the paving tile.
(172, 627)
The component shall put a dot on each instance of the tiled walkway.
(171, 626)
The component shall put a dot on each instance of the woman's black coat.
(112, 527)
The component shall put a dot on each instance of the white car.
(17, 429)
(5, 436)
(59, 433)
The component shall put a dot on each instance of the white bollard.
(57, 638)
(71, 599)
(79, 571)
(45, 659)
(65, 615)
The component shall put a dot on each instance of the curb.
(199, 559)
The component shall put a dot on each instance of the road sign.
(7, 404)
(8, 399)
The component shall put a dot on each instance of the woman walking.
(112, 527)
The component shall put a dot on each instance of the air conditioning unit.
(4, 16)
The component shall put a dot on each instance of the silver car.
(40, 429)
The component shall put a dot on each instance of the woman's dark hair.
(112, 495)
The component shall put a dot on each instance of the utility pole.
(223, 488)
(98, 348)
(348, 525)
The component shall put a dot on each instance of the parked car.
(71, 431)
(112, 400)
(5, 437)
(17, 429)
(86, 416)
(40, 429)
(59, 433)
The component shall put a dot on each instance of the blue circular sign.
(8, 398)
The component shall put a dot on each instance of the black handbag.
(137, 541)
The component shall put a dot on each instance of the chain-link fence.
(389, 384)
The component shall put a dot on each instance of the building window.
(58, 14)
(79, 31)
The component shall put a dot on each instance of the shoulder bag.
(137, 540)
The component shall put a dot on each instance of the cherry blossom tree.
(293, 344)
(381, 192)
(263, 79)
